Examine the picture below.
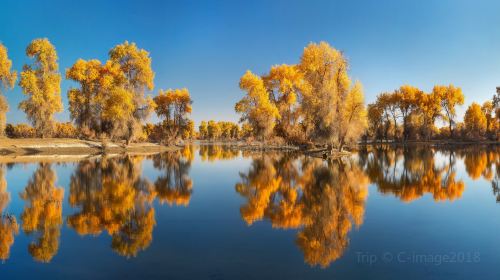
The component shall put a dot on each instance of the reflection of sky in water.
(209, 238)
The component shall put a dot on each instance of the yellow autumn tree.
(40, 82)
(256, 107)
(488, 111)
(450, 97)
(429, 105)
(475, 121)
(7, 80)
(203, 130)
(135, 63)
(353, 120)
(329, 96)
(389, 102)
(407, 97)
(375, 121)
(83, 102)
(174, 106)
(188, 132)
(213, 129)
(286, 82)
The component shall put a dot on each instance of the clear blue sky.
(207, 45)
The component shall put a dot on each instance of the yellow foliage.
(65, 130)
(203, 130)
(450, 97)
(475, 120)
(7, 76)
(41, 83)
(173, 106)
(214, 130)
(256, 106)
(21, 130)
(135, 64)
(7, 80)
(83, 102)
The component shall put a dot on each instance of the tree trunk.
(451, 129)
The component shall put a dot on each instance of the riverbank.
(441, 143)
(72, 147)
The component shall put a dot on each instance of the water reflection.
(113, 197)
(174, 186)
(412, 172)
(42, 215)
(484, 163)
(217, 152)
(324, 199)
(8, 223)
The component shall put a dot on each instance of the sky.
(206, 46)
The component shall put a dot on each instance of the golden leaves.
(475, 120)
(135, 63)
(7, 76)
(256, 107)
(41, 83)
(305, 102)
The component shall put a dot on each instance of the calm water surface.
(211, 212)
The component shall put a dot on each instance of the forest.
(313, 103)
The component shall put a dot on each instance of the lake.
(215, 212)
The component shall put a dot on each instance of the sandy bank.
(70, 148)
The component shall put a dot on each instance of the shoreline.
(441, 143)
(68, 147)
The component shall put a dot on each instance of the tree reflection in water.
(412, 172)
(174, 186)
(114, 197)
(217, 152)
(43, 213)
(484, 162)
(323, 199)
(8, 223)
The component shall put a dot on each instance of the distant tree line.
(409, 113)
(219, 130)
(313, 102)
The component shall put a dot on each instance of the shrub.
(65, 130)
(21, 130)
